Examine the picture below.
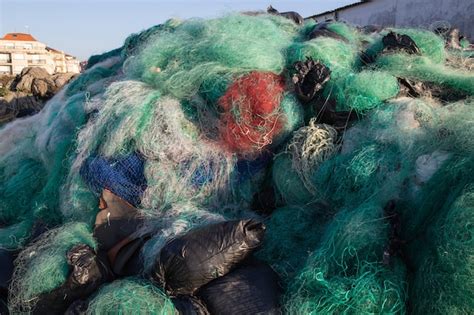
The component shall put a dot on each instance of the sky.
(84, 27)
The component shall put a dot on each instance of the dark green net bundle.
(354, 150)
(131, 296)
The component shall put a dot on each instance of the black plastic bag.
(371, 28)
(3, 305)
(325, 112)
(114, 231)
(413, 88)
(117, 220)
(309, 78)
(189, 305)
(452, 36)
(398, 42)
(264, 202)
(290, 15)
(87, 274)
(252, 288)
(6, 270)
(127, 262)
(188, 262)
(79, 307)
(322, 30)
(109, 234)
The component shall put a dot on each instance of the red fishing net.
(252, 114)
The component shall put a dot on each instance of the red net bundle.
(252, 114)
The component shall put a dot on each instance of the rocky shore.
(25, 94)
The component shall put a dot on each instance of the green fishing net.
(371, 216)
(131, 296)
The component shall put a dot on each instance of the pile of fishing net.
(352, 146)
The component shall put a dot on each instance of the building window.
(35, 59)
(9, 45)
(18, 56)
(5, 69)
(28, 46)
(4, 57)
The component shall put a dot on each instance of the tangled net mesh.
(128, 296)
(252, 114)
(309, 147)
(374, 216)
(42, 266)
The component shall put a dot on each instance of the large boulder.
(18, 104)
(61, 79)
(25, 105)
(43, 87)
(6, 114)
(38, 82)
(36, 72)
(24, 81)
(25, 94)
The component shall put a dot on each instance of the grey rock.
(38, 82)
(61, 79)
(35, 72)
(18, 104)
(43, 87)
(29, 91)
(27, 76)
(40, 87)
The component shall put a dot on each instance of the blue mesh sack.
(123, 176)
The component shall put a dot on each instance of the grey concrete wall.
(458, 13)
(419, 13)
(378, 12)
(325, 17)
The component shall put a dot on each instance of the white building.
(18, 50)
